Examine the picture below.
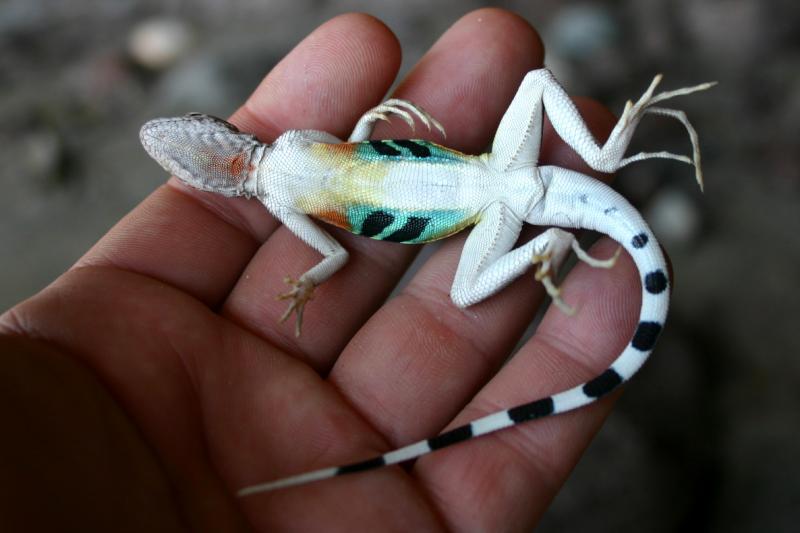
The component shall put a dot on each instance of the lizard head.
(205, 152)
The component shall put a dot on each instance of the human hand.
(151, 381)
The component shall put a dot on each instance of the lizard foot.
(634, 112)
(302, 291)
(545, 270)
(552, 255)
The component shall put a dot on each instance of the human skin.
(150, 381)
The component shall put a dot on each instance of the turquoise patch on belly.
(411, 227)
(408, 149)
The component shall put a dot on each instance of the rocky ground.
(708, 436)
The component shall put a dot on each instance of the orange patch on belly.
(336, 218)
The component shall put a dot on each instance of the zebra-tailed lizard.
(415, 191)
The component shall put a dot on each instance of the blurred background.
(707, 437)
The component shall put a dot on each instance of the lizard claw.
(302, 291)
(386, 109)
(394, 106)
(633, 113)
(592, 261)
(544, 273)
(403, 107)
(552, 255)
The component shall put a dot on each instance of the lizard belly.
(390, 209)
(401, 197)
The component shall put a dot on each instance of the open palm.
(152, 380)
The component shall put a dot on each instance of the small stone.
(581, 31)
(41, 151)
(159, 43)
(673, 217)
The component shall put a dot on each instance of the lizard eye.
(205, 152)
(211, 118)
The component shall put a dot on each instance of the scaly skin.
(415, 191)
(167, 317)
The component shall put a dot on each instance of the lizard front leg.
(334, 258)
(394, 106)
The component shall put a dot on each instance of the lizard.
(416, 191)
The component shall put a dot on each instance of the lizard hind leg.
(569, 125)
(633, 113)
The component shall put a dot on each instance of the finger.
(140, 340)
(60, 425)
(444, 354)
(200, 242)
(514, 474)
(480, 59)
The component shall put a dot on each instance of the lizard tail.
(576, 201)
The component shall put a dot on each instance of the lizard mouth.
(204, 152)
